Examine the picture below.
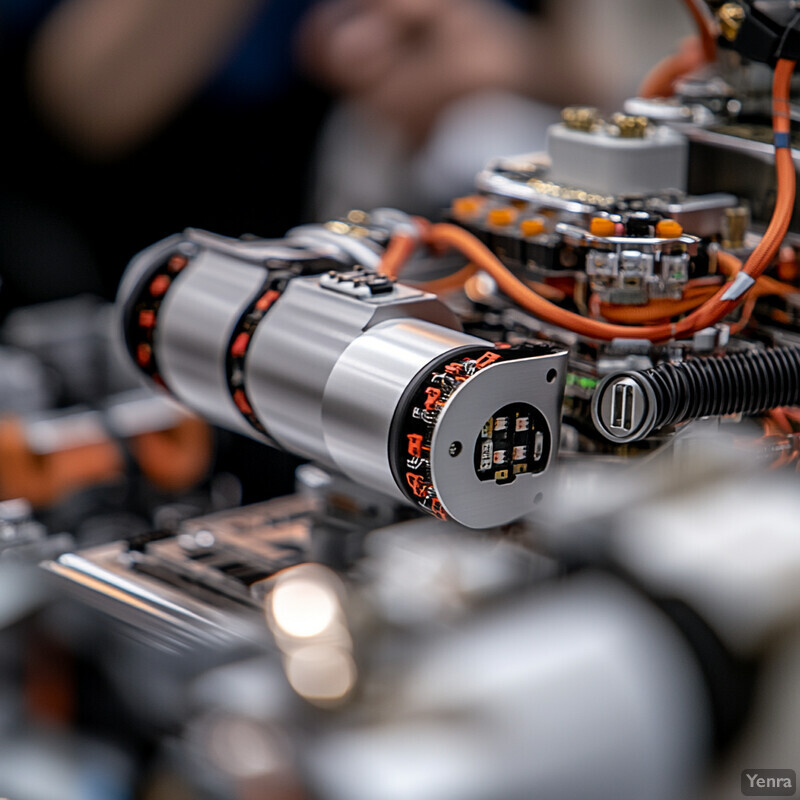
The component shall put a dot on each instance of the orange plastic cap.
(602, 226)
(669, 229)
(466, 206)
(501, 216)
(531, 227)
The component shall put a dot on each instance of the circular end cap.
(623, 408)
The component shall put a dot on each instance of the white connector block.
(613, 165)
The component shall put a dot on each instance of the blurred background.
(128, 120)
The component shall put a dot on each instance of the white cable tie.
(741, 283)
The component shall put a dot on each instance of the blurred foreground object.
(634, 621)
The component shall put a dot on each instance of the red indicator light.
(143, 354)
(241, 402)
(239, 346)
(267, 299)
(159, 285)
(177, 263)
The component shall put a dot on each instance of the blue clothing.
(259, 69)
(263, 64)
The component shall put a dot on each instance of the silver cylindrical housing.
(297, 346)
(365, 388)
(196, 321)
(349, 369)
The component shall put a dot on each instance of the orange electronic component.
(415, 444)
(177, 263)
(437, 510)
(433, 397)
(417, 483)
(602, 226)
(487, 358)
(501, 217)
(159, 285)
(456, 369)
(240, 398)
(531, 227)
(267, 299)
(143, 354)
(467, 206)
(669, 229)
(239, 346)
(147, 318)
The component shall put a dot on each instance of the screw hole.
(552, 375)
(455, 448)
(538, 499)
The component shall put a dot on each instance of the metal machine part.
(627, 156)
(489, 707)
(326, 365)
(760, 30)
(25, 540)
(200, 586)
(538, 213)
(527, 178)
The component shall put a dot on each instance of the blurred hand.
(405, 59)
(107, 74)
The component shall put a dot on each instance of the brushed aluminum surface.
(365, 388)
(195, 324)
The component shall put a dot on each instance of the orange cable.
(708, 314)
(449, 283)
(400, 248)
(656, 309)
(446, 234)
(660, 80)
(705, 29)
(441, 236)
(693, 53)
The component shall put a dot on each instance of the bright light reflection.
(303, 608)
(321, 673)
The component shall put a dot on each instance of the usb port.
(622, 406)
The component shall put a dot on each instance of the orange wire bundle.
(442, 236)
(662, 309)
